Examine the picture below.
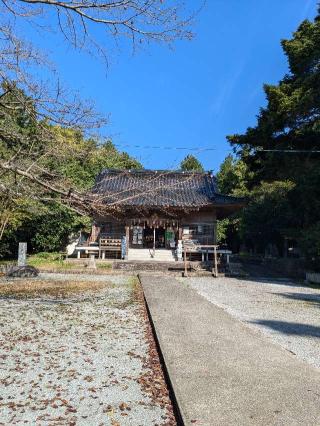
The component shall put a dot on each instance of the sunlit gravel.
(285, 312)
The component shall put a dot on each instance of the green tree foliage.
(85, 158)
(291, 119)
(47, 225)
(191, 163)
(45, 229)
(232, 177)
(231, 180)
(60, 155)
(268, 215)
(283, 169)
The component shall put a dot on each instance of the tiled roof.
(159, 188)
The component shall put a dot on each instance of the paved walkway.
(223, 372)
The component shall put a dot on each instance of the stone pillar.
(92, 262)
(22, 254)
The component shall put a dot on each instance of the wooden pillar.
(93, 233)
(127, 240)
(154, 241)
(215, 259)
(215, 232)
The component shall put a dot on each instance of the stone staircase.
(144, 255)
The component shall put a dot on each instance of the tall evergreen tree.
(191, 163)
(283, 149)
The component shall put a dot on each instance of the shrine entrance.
(153, 234)
(154, 237)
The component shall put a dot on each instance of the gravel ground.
(73, 355)
(287, 313)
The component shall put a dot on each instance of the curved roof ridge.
(159, 188)
(155, 171)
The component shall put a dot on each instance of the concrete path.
(222, 372)
(286, 312)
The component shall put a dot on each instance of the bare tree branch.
(30, 107)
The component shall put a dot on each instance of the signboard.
(137, 235)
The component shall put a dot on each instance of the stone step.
(145, 255)
(171, 267)
(151, 259)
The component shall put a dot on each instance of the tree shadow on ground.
(312, 299)
(277, 280)
(290, 328)
(274, 281)
(261, 273)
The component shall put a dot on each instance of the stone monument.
(22, 270)
(22, 254)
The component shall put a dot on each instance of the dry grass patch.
(37, 288)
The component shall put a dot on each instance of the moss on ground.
(104, 265)
(50, 261)
(56, 262)
(36, 288)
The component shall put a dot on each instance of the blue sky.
(196, 94)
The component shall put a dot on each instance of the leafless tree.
(46, 102)
(139, 21)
